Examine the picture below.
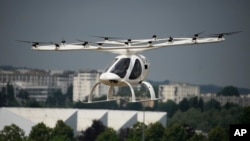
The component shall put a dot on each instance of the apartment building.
(242, 100)
(178, 91)
(83, 82)
(38, 83)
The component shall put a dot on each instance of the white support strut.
(132, 91)
(91, 93)
(151, 90)
(133, 98)
(110, 93)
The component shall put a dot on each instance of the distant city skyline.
(222, 64)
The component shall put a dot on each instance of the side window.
(121, 67)
(137, 70)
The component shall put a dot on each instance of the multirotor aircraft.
(130, 67)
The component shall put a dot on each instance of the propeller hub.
(170, 39)
(63, 41)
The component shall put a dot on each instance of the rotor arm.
(128, 47)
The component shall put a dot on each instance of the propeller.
(170, 39)
(220, 35)
(56, 44)
(84, 43)
(129, 41)
(34, 43)
(63, 41)
(100, 44)
(195, 36)
(106, 38)
(154, 37)
(150, 43)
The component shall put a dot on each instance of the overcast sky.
(223, 64)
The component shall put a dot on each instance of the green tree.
(23, 96)
(212, 104)
(123, 134)
(91, 133)
(108, 135)
(201, 104)
(56, 99)
(135, 133)
(7, 96)
(193, 117)
(198, 137)
(229, 91)
(62, 131)
(194, 102)
(245, 116)
(170, 107)
(12, 133)
(10, 92)
(217, 134)
(33, 103)
(184, 105)
(3, 97)
(175, 133)
(40, 132)
(154, 132)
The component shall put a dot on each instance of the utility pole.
(143, 125)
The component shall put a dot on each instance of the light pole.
(143, 125)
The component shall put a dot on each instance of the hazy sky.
(226, 63)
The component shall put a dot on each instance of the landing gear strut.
(133, 98)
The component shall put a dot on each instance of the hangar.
(77, 119)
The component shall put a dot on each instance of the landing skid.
(146, 100)
(133, 98)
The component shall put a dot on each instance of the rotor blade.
(106, 37)
(226, 33)
(32, 42)
(63, 41)
(198, 34)
(84, 43)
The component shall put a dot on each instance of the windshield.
(107, 68)
(121, 67)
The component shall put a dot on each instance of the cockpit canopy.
(121, 67)
(126, 66)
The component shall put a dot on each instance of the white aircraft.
(129, 68)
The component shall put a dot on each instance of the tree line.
(39, 132)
